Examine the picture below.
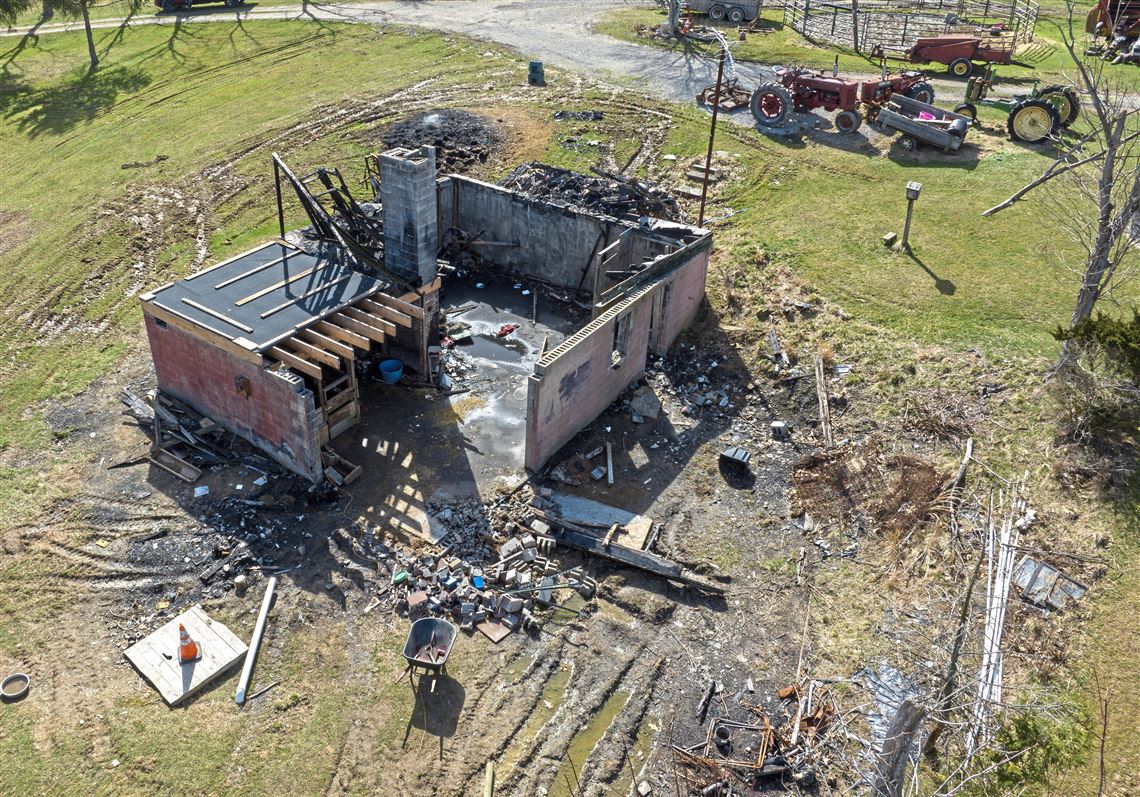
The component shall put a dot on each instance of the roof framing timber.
(360, 327)
(353, 339)
(385, 312)
(327, 343)
(291, 360)
(311, 352)
(365, 317)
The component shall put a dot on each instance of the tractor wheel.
(716, 12)
(961, 67)
(847, 121)
(908, 143)
(967, 109)
(1065, 100)
(1032, 121)
(923, 92)
(735, 15)
(771, 104)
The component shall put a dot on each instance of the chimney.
(408, 196)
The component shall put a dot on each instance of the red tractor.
(800, 89)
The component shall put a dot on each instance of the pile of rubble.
(754, 746)
(460, 138)
(606, 194)
(496, 598)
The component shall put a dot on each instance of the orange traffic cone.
(188, 649)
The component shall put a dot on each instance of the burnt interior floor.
(418, 445)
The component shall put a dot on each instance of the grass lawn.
(115, 183)
(779, 44)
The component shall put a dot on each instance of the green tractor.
(1033, 117)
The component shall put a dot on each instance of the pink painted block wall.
(279, 415)
(578, 380)
(686, 291)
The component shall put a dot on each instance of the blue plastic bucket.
(391, 371)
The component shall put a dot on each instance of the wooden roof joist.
(328, 344)
(407, 308)
(358, 326)
(292, 361)
(353, 339)
(375, 321)
(311, 352)
(376, 308)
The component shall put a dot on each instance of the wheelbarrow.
(429, 644)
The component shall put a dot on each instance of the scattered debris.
(1044, 585)
(608, 194)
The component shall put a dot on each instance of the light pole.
(913, 189)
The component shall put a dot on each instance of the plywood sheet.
(156, 656)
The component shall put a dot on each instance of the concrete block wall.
(408, 196)
(679, 297)
(575, 381)
(278, 416)
(556, 245)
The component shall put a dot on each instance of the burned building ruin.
(269, 343)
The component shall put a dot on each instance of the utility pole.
(712, 136)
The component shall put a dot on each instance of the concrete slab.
(416, 445)
(156, 656)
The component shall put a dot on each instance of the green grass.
(779, 44)
(190, 93)
(211, 95)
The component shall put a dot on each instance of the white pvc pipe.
(255, 641)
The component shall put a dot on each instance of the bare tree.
(1095, 179)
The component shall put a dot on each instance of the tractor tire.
(847, 121)
(923, 92)
(961, 67)
(735, 15)
(771, 104)
(967, 109)
(1065, 99)
(716, 12)
(1032, 121)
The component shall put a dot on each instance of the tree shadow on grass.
(72, 101)
(29, 39)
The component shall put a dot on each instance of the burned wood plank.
(642, 560)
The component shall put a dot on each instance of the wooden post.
(712, 135)
(609, 464)
(855, 24)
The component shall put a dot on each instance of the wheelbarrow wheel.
(847, 121)
(771, 104)
(716, 12)
(923, 92)
(967, 109)
(1032, 121)
(1065, 100)
(961, 67)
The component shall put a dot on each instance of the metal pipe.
(255, 641)
(712, 135)
(280, 206)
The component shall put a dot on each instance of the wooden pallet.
(156, 656)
